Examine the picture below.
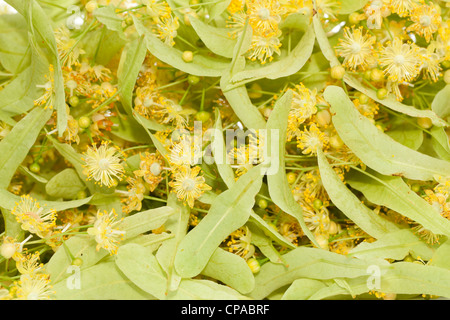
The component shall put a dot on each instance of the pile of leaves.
(226, 149)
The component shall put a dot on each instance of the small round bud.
(8, 250)
(446, 64)
(353, 18)
(40, 160)
(376, 75)
(336, 142)
(35, 167)
(323, 118)
(291, 177)
(203, 116)
(337, 72)
(187, 56)
(415, 187)
(382, 93)
(84, 122)
(74, 101)
(447, 77)
(193, 80)
(322, 241)
(425, 123)
(254, 92)
(82, 194)
(366, 74)
(363, 98)
(155, 168)
(129, 21)
(409, 258)
(91, 6)
(262, 203)
(333, 228)
(317, 204)
(71, 84)
(77, 262)
(254, 265)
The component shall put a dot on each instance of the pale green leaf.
(230, 269)
(440, 102)
(107, 16)
(100, 282)
(16, 145)
(229, 211)
(217, 40)
(349, 203)
(302, 289)
(201, 66)
(140, 266)
(393, 104)
(284, 67)
(66, 184)
(279, 189)
(376, 149)
(395, 245)
(349, 6)
(406, 134)
(130, 64)
(394, 193)
(309, 263)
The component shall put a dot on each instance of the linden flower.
(103, 230)
(187, 151)
(264, 47)
(430, 63)
(400, 60)
(356, 48)
(151, 167)
(35, 287)
(47, 97)
(157, 9)
(135, 195)
(188, 185)
(264, 16)
(375, 11)
(303, 107)
(311, 140)
(316, 220)
(33, 217)
(166, 29)
(240, 243)
(427, 21)
(103, 164)
(403, 7)
(29, 265)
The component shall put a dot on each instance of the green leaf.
(309, 263)
(441, 257)
(395, 245)
(65, 184)
(14, 52)
(392, 103)
(302, 289)
(440, 142)
(284, 67)
(350, 204)
(130, 64)
(140, 266)
(201, 66)
(193, 289)
(145, 220)
(323, 42)
(220, 153)
(12, 227)
(349, 6)
(177, 224)
(129, 129)
(215, 39)
(107, 16)
(264, 243)
(269, 231)
(100, 282)
(230, 269)
(394, 193)
(376, 149)
(16, 145)
(216, 8)
(229, 211)
(279, 189)
(406, 134)
(440, 102)
(32, 175)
